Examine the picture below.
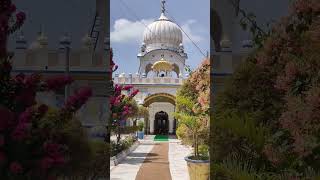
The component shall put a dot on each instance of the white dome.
(163, 31)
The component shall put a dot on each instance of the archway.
(160, 98)
(161, 123)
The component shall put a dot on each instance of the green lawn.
(161, 138)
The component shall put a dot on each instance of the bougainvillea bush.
(122, 107)
(36, 141)
(266, 121)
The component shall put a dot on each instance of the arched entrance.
(161, 123)
(154, 124)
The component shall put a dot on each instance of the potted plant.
(197, 129)
(140, 127)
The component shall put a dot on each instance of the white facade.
(163, 47)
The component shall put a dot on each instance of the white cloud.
(126, 31)
(187, 28)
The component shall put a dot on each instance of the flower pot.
(140, 134)
(198, 169)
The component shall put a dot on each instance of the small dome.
(162, 65)
(42, 39)
(163, 31)
(40, 42)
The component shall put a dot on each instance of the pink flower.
(117, 89)
(84, 94)
(20, 78)
(127, 87)
(21, 132)
(16, 167)
(26, 116)
(58, 82)
(32, 80)
(135, 92)
(21, 16)
(78, 99)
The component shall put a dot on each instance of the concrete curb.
(115, 160)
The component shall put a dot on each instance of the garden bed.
(115, 160)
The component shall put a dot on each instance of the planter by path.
(156, 165)
(115, 160)
(198, 169)
(140, 134)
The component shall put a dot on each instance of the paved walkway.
(156, 165)
(178, 166)
(129, 167)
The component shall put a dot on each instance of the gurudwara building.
(160, 74)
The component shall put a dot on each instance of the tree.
(122, 107)
(33, 143)
(262, 121)
(192, 108)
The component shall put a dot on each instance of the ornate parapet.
(154, 80)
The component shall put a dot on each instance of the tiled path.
(128, 168)
(178, 166)
(156, 165)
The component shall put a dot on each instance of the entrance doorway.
(161, 123)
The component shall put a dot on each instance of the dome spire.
(163, 8)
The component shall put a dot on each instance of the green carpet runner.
(161, 138)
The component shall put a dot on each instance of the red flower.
(16, 167)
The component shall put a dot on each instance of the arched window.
(148, 70)
(176, 69)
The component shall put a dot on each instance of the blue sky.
(129, 18)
